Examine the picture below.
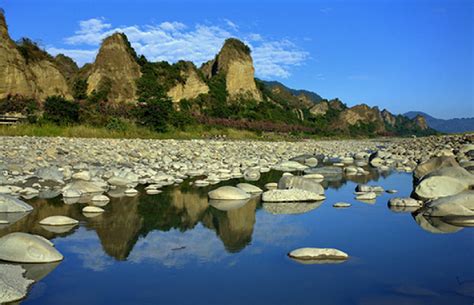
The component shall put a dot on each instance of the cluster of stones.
(93, 170)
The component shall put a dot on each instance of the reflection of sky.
(85, 245)
(274, 230)
(200, 246)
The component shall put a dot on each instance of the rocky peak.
(235, 63)
(192, 86)
(3, 26)
(388, 117)
(420, 121)
(27, 70)
(362, 114)
(116, 66)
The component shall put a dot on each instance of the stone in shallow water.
(27, 248)
(300, 183)
(290, 196)
(369, 188)
(13, 286)
(100, 200)
(440, 186)
(71, 194)
(271, 186)
(92, 209)
(249, 188)
(341, 205)
(405, 202)
(366, 196)
(153, 191)
(457, 205)
(315, 254)
(228, 193)
(10, 204)
(252, 174)
(58, 220)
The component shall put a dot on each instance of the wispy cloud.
(172, 41)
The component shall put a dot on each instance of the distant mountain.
(447, 126)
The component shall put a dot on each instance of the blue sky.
(399, 55)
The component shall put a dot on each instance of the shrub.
(61, 111)
(117, 124)
(155, 113)
(79, 89)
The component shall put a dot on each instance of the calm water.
(173, 248)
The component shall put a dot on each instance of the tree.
(61, 111)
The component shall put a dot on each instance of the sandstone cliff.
(361, 114)
(27, 70)
(235, 64)
(192, 87)
(116, 68)
(420, 122)
(388, 117)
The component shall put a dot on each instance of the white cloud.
(80, 56)
(173, 41)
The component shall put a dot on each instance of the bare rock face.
(191, 88)
(320, 108)
(235, 63)
(420, 121)
(362, 114)
(115, 66)
(35, 76)
(48, 80)
(388, 117)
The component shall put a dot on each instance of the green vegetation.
(30, 50)
(61, 111)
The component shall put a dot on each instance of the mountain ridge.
(455, 125)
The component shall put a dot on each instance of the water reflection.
(178, 220)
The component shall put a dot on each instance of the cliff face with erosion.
(115, 67)
(192, 87)
(236, 65)
(31, 73)
(362, 114)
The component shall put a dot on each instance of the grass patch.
(133, 132)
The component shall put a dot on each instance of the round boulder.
(58, 221)
(440, 186)
(228, 193)
(13, 285)
(10, 204)
(27, 248)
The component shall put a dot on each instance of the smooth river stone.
(341, 205)
(27, 248)
(13, 285)
(440, 186)
(10, 204)
(228, 193)
(318, 254)
(249, 188)
(227, 205)
(58, 220)
(92, 209)
(290, 196)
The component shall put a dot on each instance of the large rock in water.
(278, 208)
(9, 204)
(290, 196)
(318, 254)
(433, 164)
(13, 285)
(228, 193)
(440, 186)
(249, 188)
(458, 205)
(296, 182)
(27, 248)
